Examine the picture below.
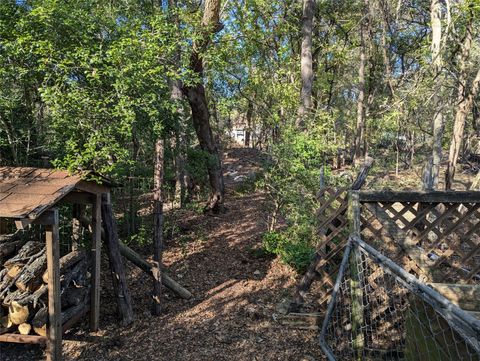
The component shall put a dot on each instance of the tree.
(359, 144)
(465, 98)
(306, 62)
(432, 168)
(197, 99)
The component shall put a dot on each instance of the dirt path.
(236, 290)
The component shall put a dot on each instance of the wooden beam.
(95, 250)
(78, 198)
(46, 218)
(420, 196)
(54, 332)
(92, 187)
(16, 338)
(119, 278)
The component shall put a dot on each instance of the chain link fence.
(378, 311)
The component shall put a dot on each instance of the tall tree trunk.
(179, 140)
(306, 62)
(359, 142)
(248, 130)
(198, 102)
(158, 225)
(432, 168)
(463, 105)
(463, 108)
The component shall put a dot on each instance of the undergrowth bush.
(292, 180)
(291, 247)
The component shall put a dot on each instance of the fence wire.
(380, 312)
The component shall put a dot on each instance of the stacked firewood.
(24, 290)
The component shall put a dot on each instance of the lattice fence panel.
(333, 236)
(438, 242)
(435, 241)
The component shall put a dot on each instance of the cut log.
(17, 313)
(34, 297)
(74, 296)
(5, 322)
(24, 328)
(9, 248)
(67, 261)
(14, 271)
(146, 267)
(41, 331)
(76, 274)
(39, 322)
(30, 249)
(30, 277)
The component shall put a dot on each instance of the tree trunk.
(248, 130)
(432, 169)
(198, 102)
(306, 62)
(463, 109)
(464, 105)
(360, 126)
(158, 226)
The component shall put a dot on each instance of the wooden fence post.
(95, 253)
(54, 344)
(356, 281)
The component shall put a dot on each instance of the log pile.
(23, 286)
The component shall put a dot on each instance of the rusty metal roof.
(26, 192)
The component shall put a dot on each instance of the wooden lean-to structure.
(34, 270)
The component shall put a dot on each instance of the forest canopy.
(315, 85)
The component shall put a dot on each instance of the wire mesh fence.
(378, 311)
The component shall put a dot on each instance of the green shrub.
(291, 247)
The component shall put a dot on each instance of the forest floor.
(236, 290)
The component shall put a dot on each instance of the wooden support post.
(95, 252)
(117, 267)
(54, 344)
(356, 281)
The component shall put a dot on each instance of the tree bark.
(158, 226)
(432, 168)
(463, 109)
(464, 105)
(198, 103)
(306, 61)
(360, 126)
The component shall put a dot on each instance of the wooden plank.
(420, 196)
(95, 250)
(54, 333)
(302, 321)
(28, 339)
